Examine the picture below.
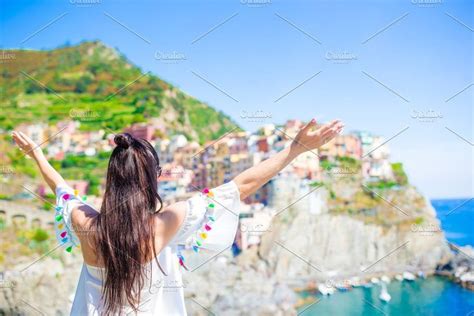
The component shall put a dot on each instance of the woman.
(131, 246)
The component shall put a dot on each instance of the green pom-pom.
(59, 218)
(69, 249)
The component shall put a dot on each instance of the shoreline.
(458, 271)
(315, 295)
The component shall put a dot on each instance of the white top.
(208, 229)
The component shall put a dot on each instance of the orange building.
(342, 146)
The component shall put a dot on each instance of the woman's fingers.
(323, 129)
(326, 128)
(26, 139)
(308, 138)
(332, 128)
(310, 124)
(23, 141)
(332, 132)
(18, 140)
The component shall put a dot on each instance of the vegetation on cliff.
(91, 78)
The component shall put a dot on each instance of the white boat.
(385, 279)
(384, 295)
(375, 280)
(408, 276)
(421, 274)
(325, 290)
(399, 277)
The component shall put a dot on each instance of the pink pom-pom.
(205, 191)
(63, 234)
(66, 196)
(207, 227)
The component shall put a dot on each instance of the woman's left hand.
(309, 139)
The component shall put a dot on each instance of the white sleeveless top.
(208, 229)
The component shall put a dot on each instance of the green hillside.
(99, 87)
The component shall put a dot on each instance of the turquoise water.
(431, 296)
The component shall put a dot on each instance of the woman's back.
(209, 223)
(161, 294)
(165, 225)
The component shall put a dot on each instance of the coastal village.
(188, 166)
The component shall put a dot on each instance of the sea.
(431, 296)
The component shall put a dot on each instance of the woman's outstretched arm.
(307, 139)
(28, 146)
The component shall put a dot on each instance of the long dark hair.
(125, 236)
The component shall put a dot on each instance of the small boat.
(398, 277)
(408, 276)
(385, 279)
(343, 286)
(421, 274)
(325, 290)
(384, 295)
(375, 280)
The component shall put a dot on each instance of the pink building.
(141, 131)
(80, 185)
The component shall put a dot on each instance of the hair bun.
(123, 140)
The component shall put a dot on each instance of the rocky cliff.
(312, 239)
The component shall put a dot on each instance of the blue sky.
(407, 58)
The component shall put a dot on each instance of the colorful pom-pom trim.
(63, 234)
(202, 234)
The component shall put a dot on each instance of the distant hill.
(50, 86)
